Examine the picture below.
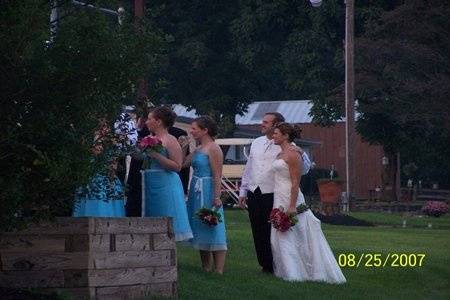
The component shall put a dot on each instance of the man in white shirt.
(258, 184)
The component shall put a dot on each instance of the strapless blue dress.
(201, 194)
(163, 195)
(102, 197)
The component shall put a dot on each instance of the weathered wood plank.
(122, 292)
(164, 289)
(130, 259)
(84, 293)
(130, 225)
(75, 278)
(82, 255)
(32, 279)
(165, 274)
(133, 242)
(173, 257)
(136, 291)
(99, 243)
(35, 261)
(31, 243)
(85, 243)
(77, 243)
(65, 225)
(118, 277)
(162, 241)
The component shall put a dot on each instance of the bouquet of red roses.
(283, 221)
(208, 216)
(151, 143)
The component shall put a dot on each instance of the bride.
(301, 253)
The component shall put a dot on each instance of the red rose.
(149, 142)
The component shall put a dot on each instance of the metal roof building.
(326, 146)
(295, 111)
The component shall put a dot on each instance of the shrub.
(435, 208)
(52, 97)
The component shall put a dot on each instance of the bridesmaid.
(104, 195)
(163, 193)
(204, 191)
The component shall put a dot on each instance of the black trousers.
(259, 207)
(133, 207)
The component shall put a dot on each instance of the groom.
(258, 184)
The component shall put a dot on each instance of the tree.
(53, 96)
(403, 70)
(221, 55)
(202, 70)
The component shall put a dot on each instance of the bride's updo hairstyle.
(293, 131)
(165, 114)
(206, 122)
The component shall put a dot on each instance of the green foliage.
(53, 96)
(403, 70)
(202, 70)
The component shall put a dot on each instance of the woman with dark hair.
(163, 193)
(205, 191)
(301, 253)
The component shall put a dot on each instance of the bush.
(52, 97)
(435, 208)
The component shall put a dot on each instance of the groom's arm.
(306, 163)
(245, 178)
(304, 156)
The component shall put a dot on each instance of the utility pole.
(349, 99)
(54, 16)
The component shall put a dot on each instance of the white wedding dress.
(302, 253)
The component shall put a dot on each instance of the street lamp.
(55, 16)
(316, 3)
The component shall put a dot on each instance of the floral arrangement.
(435, 208)
(208, 216)
(283, 221)
(150, 144)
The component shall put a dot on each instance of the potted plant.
(329, 185)
(57, 88)
(330, 191)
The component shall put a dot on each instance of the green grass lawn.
(396, 219)
(243, 279)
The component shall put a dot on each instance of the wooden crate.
(92, 258)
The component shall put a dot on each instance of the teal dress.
(102, 197)
(163, 195)
(201, 194)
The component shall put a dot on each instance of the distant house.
(325, 145)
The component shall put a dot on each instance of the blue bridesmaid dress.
(201, 194)
(102, 197)
(163, 195)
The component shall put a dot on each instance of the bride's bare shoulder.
(292, 155)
